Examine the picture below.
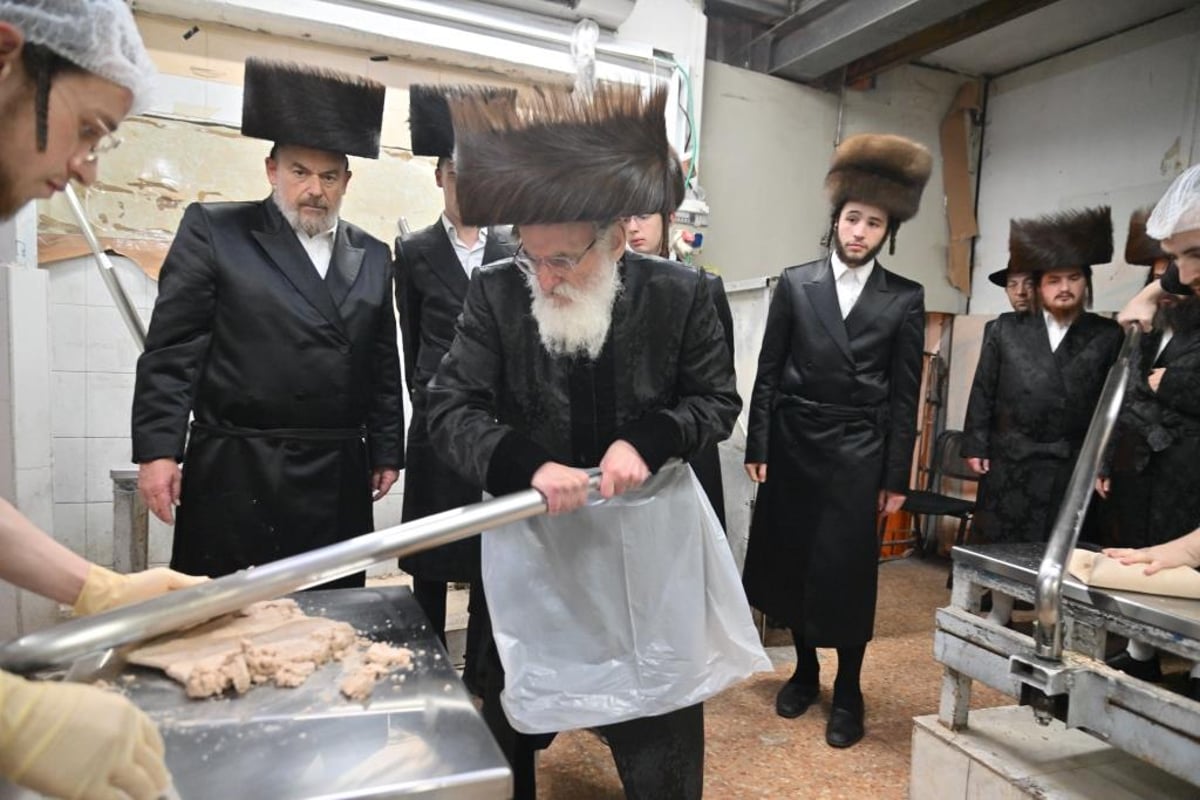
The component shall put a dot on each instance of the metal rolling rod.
(84, 637)
(1045, 674)
(124, 306)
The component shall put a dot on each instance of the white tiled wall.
(92, 364)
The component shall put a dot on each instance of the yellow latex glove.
(104, 589)
(75, 741)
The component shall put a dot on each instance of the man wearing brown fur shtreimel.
(832, 424)
(1038, 380)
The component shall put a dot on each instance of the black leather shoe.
(1150, 671)
(795, 698)
(845, 727)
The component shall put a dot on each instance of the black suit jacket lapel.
(283, 249)
(443, 261)
(343, 266)
(1037, 344)
(873, 300)
(499, 245)
(822, 296)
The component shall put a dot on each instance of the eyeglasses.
(104, 140)
(560, 263)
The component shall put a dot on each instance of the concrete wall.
(765, 150)
(1112, 123)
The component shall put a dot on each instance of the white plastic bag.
(628, 608)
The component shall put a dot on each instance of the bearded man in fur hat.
(1038, 380)
(433, 267)
(577, 353)
(832, 424)
(274, 327)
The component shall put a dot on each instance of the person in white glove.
(70, 71)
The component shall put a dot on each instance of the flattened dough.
(1097, 569)
(270, 642)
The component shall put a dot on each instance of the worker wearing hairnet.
(1175, 223)
(70, 71)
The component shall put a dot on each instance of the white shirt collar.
(452, 232)
(839, 268)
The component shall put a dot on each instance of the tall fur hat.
(554, 156)
(1077, 238)
(311, 107)
(1139, 247)
(429, 121)
(882, 170)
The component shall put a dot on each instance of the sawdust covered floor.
(752, 753)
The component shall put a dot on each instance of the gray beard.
(306, 226)
(579, 328)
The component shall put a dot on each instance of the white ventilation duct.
(608, 14)
(504, 36)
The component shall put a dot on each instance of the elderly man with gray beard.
(576, 353)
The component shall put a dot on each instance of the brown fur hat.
(1139, 247)
(882, 170)
(557, 157)
(1077, 238)
(312, 107)
(429, 122)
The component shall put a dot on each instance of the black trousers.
(658, 758)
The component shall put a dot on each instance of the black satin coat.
(1154, 466)
(707, 463)
(833, 415)
(501, 406)
(431, 285)
(294, 383)
(1028, 413)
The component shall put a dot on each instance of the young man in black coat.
(577, 353)
(832, 424)
(1039, 377)
(433, 268)
(274, 327)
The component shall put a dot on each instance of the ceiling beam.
(942, 34)
(839, 33)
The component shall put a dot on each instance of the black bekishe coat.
(1028, 414)
(833, 415)
(500, 405)
(294, 383)
(431, 285)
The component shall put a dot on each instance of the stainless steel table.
(419, 737)
(416, 737)
(1143, 719)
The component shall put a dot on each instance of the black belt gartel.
(301, 434)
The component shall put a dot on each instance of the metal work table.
(416, 738)
(420, 737)
(1148, 721)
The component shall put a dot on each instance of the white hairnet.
(1179, 209)
(98, 35)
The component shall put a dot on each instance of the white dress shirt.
(1056, 330)
(1168, 334)
(319, 248)
(849, 281)
(471, 257)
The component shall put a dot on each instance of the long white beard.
(307, 225)
(579, 327)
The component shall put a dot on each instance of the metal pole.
(124, 306)
(1047, 632)
(86, 636)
